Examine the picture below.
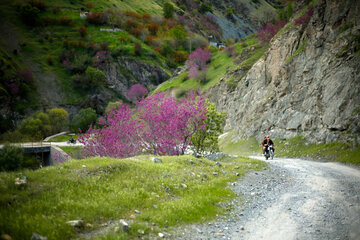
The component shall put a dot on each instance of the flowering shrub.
(136, 92)
(304, 20)
(95, 18)
(157, 125)
(199, 57)
(269, 30)
(82, 31)
(153, 28)
(101, 57)
(230, 51)
(26, 76)
(197, 62)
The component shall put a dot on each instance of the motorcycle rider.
(267, 141)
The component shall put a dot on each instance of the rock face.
(123, 73)
(307, 83)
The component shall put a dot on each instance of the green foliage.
(11, 158)
(29, 14)
(179, 35)
(42, 124)
(137, 48)
(206, 140)
(84, 119)
(289, 10)
(113, 105)
(231, 83)
(59, 118)
(168, 10)
(95, 76)
(111, 189)
(300, 49)
(205, 7)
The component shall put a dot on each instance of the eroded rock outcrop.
(307, 83)
(124, 72)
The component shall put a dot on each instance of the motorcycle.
(269, 152)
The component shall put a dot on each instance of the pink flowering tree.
(269, 30)
(197, 62)
(116, 135)
(157, 125)
(304, 20)
(136, 92)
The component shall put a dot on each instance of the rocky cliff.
(306, 84)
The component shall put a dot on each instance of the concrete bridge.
(49, 152)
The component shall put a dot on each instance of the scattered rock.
(76, 223)
(124, 225)
(242, 228)
(215, 173)
(137, 211)
(218, 164)
(237, 167)
(155, 206)
(132, 216)
(20, 181)
(191, 161)
(220, 234)
(84, 166)
(183, 185)
(89, 225)
(116, 229)
(36, 236)
(156, 160)
(140, 231)
(161, 235)
(216, 156)
(5, 237)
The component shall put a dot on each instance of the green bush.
(29, 14)
(168, 10)
(207, 139)
(11, 158)
(84, 119)
(39, 125)
(95, 76)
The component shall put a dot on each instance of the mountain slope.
(306, 84)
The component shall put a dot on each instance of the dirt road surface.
(291, 199)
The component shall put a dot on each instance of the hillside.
(47, 46)
(305, 83)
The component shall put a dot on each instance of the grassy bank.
(296, 147)
(100, 191)
(299, 147)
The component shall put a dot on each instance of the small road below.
(291, 199)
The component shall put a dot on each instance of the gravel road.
(291, 199)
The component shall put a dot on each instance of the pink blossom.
(157, 125)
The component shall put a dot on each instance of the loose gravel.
(290, 199)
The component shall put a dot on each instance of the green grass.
(219, 66)
(228, 145)
(339, 152)
(299, 50)
(74, 152)
(294, 147)
(111, 189)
